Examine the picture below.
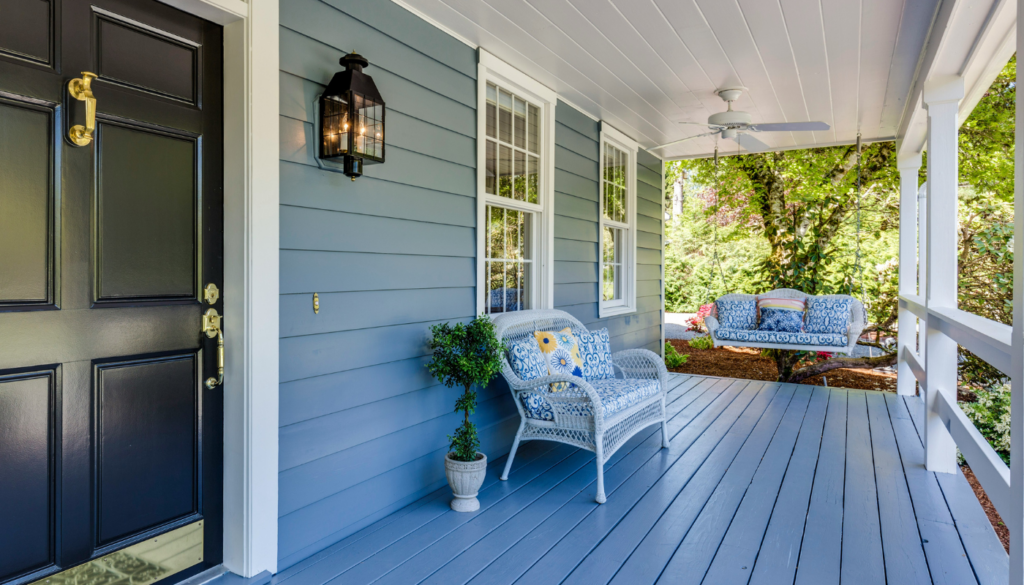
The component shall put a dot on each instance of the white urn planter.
(465, 479)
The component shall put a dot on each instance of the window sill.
(614, 311)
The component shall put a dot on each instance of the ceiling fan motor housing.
(730, 119)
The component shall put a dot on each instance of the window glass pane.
(520, 175)
(505, 171)
(496, 232)
(504, 116)
(519, 124)
(608, 283)
(509, 262)
(491, 179)
(495, 299)
(533, 179)
(534, 128)
(492, 110)
(611, 264)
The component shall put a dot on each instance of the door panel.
(26, 203)
(26, 29)
(26, 451)
(147, 444)
(110, 437)
(148, 214)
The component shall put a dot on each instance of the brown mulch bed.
(997, 523)
(747, 363)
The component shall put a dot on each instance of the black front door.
(110, 442)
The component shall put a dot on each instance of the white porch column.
(1014, 517)
(909, 168)
(942, 99)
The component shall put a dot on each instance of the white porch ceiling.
(645, 65)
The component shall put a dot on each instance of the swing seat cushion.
(737, 315)
(827, 315)
(783, 337)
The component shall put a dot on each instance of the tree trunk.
(785, 359)
(839, 362)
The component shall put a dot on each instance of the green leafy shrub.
(467, 356)
(704, 342)
(991, 415)
(673, 359)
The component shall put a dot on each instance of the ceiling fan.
(736, 126)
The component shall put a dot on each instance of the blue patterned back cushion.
(784, 320)
(526, 359)
(737, 315)
(596, 352)
(828, 315)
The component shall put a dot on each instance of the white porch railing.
(931, 326)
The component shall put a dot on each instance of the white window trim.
(629, 268)
(492, 69)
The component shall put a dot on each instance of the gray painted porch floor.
(763, 483)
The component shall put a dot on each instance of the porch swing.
(830, 323)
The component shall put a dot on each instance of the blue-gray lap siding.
(363, 426)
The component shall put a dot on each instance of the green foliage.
(466, 356)
(991, 415)
(673, 359)
(703, 342)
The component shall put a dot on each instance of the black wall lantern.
(352, 118)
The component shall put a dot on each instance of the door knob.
(81, 90)
(211, 328)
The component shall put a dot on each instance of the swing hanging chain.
(715, 260)
(858, 265)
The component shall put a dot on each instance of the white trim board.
(251, 281)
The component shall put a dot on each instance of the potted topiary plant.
(466, 356)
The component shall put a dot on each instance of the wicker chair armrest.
(641, 363)
(588, 392)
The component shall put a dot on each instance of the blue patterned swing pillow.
(828, 315)
(781, 315)
(596, 353)
(737, 315)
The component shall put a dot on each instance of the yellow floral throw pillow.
(562, 354)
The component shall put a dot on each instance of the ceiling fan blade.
(685, 139)
(693, 123)
(790, 127)
(750, 143)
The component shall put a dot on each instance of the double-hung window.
(515, 186)
(618, 223)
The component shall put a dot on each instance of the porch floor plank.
(763, 483)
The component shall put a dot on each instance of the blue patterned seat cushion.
(741, 315)
(596, 352)
(828, 315)
(781, 320)
(616, 395)
(829, 339)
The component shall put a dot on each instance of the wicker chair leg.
(664, 426)
(512, 453)
(600, 472)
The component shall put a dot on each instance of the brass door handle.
(81, 90)
(211, 327)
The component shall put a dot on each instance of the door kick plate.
(140, 564)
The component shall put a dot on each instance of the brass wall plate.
(211, 293)
(140, 564)
(316, 304)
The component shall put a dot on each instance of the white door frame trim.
(251, 281)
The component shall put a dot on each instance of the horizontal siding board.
(572, 272)
(637, 338)
(648, 208)
(303, 228)
(568, 160)
(404, 130)
(648, 256)
(648, 272)
(585, 313)
(648, 177)
(376, 309)
(570, 206)
(649, 161)
(575, 251)
(312, 397)
(317, 62)
(305, 186)
(316, 355)
(648, 288)
(575, 185)
(648, 224)
(623, 324)
(648, 240)
(403, 166)
(308, 272)
(582, 145)
(570, 228)
(577, 120)
(408, 29)
(339, 30)
(648, 192)
(575, 294)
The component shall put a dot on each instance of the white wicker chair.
(858, 320)
(579, 416)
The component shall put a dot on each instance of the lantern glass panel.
(335, 126)
(369, 128)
